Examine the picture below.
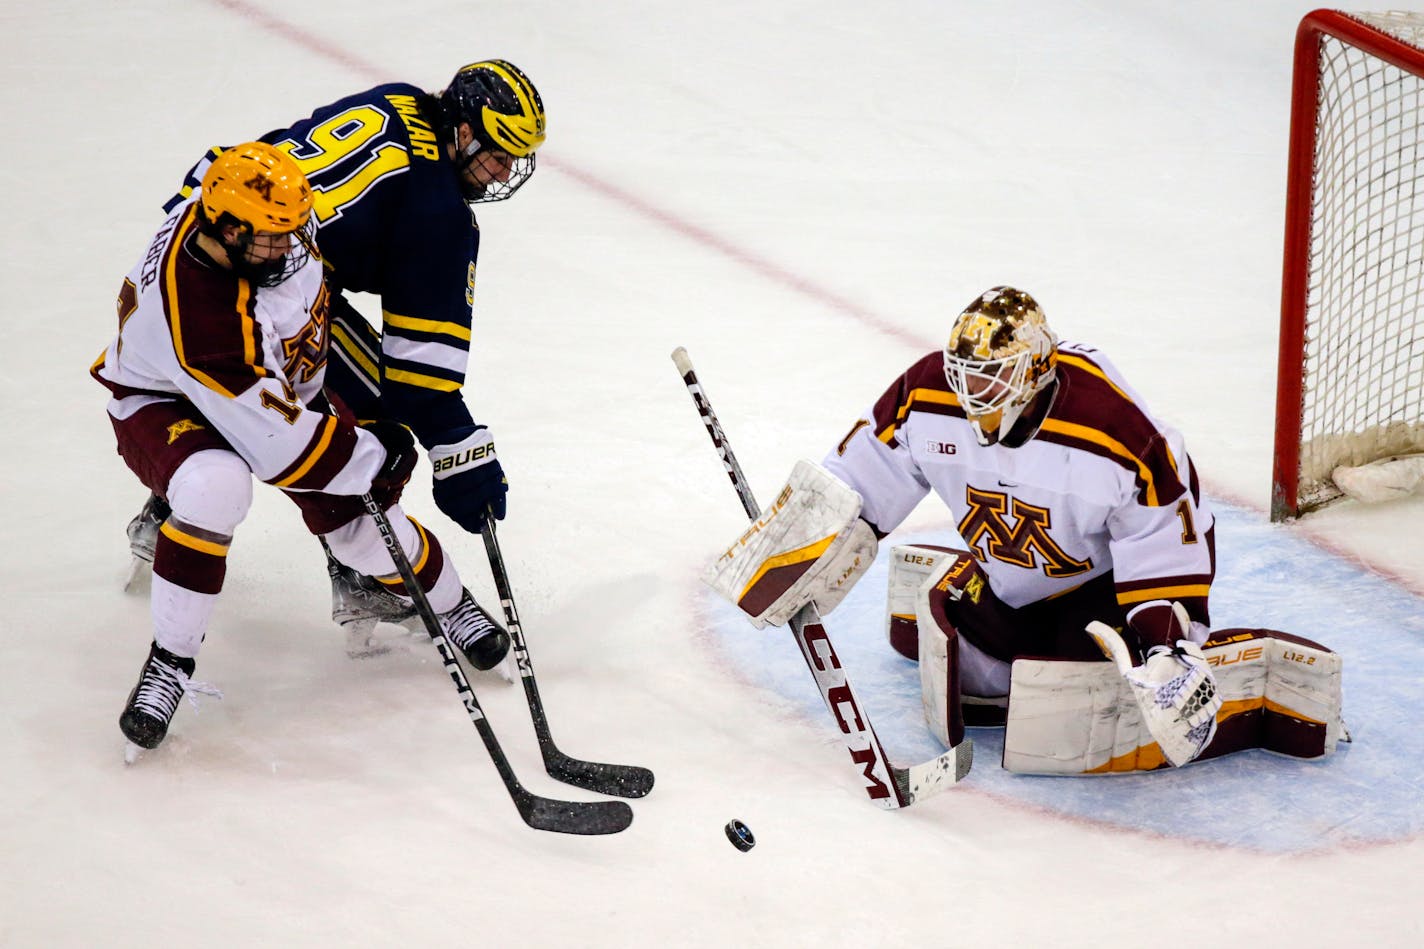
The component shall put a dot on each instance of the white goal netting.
(1364, 331)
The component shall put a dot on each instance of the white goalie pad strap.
(1277, 692)
(935, 671)
(809, 545)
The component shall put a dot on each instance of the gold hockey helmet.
(257, 187)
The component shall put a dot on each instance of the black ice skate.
(359, 602)
(469, 629)
(161, 686)
(143, 540)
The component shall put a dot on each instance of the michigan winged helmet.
(505, 115)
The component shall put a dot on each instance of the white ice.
(802, 194)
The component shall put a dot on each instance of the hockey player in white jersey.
(1082, 534)
(1075, 504)
(216, 376)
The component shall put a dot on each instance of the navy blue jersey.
(391, 221)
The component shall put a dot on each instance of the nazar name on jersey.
(422, 136)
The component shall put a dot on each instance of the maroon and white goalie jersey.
(250, 359)
(1103, 486)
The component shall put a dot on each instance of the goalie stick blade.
(931, 777)
(620, 780)
(588, 818)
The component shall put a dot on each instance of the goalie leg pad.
(1279, 692)
(952, 669)
(810, 545)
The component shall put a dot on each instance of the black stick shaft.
(602, 817)
(619, 779)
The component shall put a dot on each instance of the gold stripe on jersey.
(354, 351)
(192, 543)
(1115, 447)
(322, 443)
(417, 564)
(931, 396)
(1094, 370)
(247, 326)
(437, 327)
(422, 380)
(1179, 592)
(1090, 368)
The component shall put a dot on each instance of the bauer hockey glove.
(469, 482)
(388, 483)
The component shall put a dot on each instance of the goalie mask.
(260, 190)
(506, 115)
(1000, 356)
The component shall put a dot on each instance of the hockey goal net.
(1350, 383)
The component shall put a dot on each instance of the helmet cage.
(506, 118)
(264, 270)
(519, 171)
(1000, 356)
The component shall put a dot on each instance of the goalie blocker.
(1277, 691)
(809, 545)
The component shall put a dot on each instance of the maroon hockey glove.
(388, 483)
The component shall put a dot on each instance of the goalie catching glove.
(809, 545)
(1174, 689)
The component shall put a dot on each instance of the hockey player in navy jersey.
(216, 377)
(394, 171)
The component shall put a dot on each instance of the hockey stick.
(623, 780)
(541, 813)
(888, 786)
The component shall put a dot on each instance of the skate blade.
(507, 669)
(362, 642)
(140, 576)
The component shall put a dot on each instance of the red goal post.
(1350, 378)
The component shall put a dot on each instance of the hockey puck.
(740, 835)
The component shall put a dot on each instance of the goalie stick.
(623, 780)
(886, 785)
(541, 813)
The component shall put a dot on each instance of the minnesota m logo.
(988, 534)
(179, 428)
(261, 185)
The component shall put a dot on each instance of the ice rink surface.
(803, 195)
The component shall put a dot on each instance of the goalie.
(1082, 534)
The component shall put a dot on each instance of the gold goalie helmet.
(1000, 355)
